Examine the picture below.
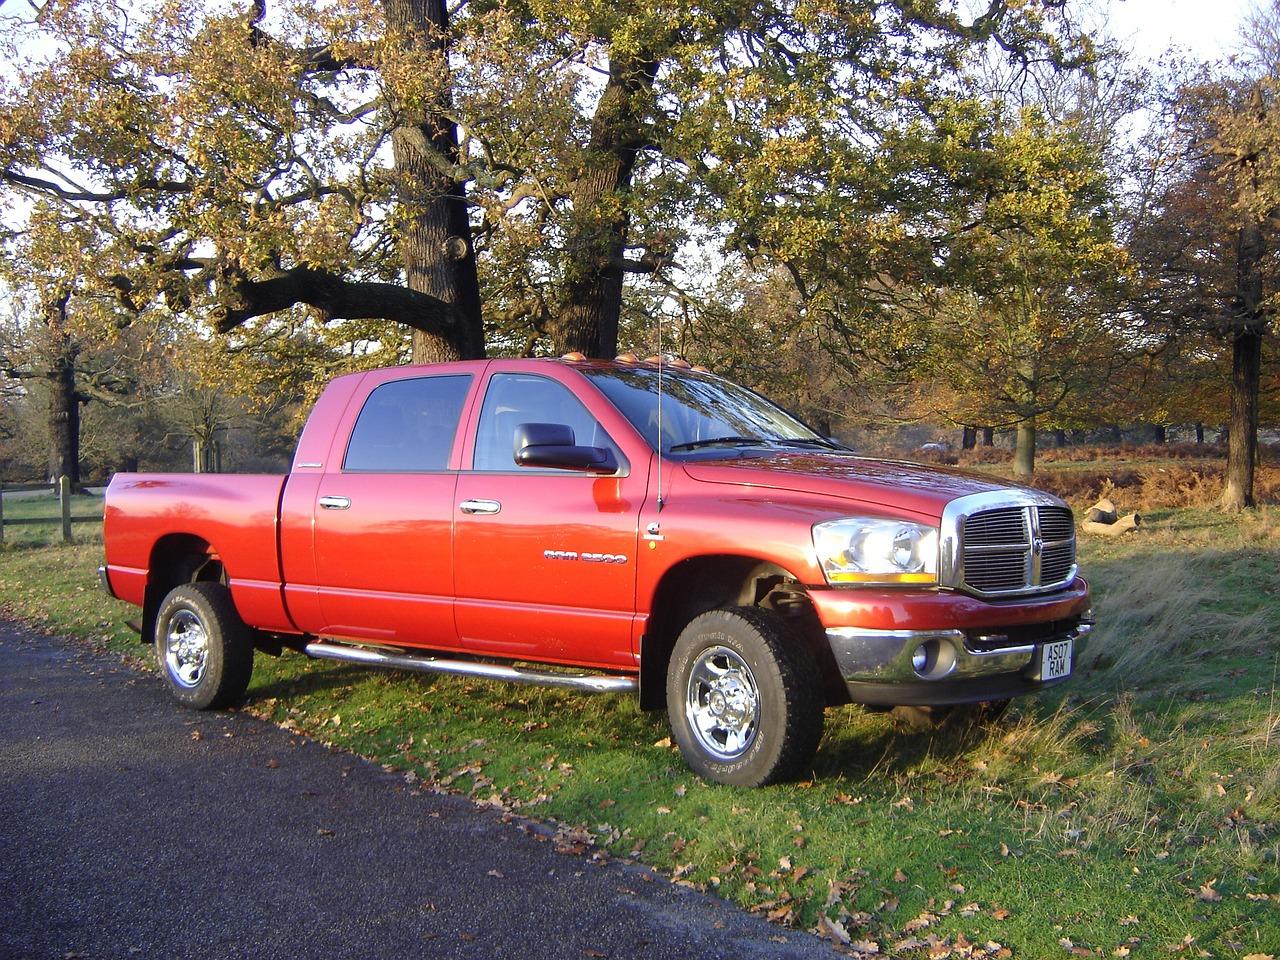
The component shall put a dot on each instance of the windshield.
(699, 410)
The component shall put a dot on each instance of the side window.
(516, 398)
(408, 425)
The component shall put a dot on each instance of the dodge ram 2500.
(606, 526)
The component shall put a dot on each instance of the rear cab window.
(408, 426)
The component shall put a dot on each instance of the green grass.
(1135, 808)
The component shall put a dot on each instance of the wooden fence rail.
(64, 508)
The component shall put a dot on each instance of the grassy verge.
(1134, 813)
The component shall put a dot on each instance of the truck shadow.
(307, 677)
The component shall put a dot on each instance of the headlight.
(872, 550)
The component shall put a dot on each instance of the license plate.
(1055, 660)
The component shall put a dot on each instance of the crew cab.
(609, 526)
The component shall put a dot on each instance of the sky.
(1204, 28)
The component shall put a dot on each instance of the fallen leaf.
(496, 873)
(832, 930)
(899, 876)
(865, 948)
(1129, 921)
(1207, 893)
(1258, 956)
(680, 790)
(1000, 913)
(337, 720)
(606, 803)
(1120, 952)
(1004, 849)
(466, 936)
(784, 863)
(663, 811)
(324, 831)
(664, 742)
(273, 764)
(197, 735)
(588, 952)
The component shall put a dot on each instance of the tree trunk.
(64, 416)
(1161, 433)
(1059, 438)
(435, 239)
(1242, 437)
(597, 241)
(1114, 434)
(1024, 451)
(968, 438)
(988, 436)
(64, 399)
(1199, 432)
(1246, 369)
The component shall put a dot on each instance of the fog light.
(934, 659)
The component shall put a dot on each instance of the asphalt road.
(123, 835)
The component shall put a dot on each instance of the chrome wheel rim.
(186, 648)
(722, 703)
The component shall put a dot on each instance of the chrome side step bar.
(588, 683)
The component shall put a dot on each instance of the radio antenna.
(661, 500)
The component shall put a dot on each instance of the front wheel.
(744, 698)
(204, 649)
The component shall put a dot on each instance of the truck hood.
(892, 485)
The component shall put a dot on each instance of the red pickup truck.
(607, 526)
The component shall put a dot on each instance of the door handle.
(480, 506)
(335, 503)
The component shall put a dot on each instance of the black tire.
(204, 649)
(761, 662)
(920, 719)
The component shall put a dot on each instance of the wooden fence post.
(64, 500)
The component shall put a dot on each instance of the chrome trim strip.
(587, 683)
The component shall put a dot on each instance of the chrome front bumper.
(866, 656)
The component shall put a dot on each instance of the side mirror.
(551, 445)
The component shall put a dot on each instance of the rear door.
(383, 517)
(545, 564)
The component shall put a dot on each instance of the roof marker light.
(574, 356)
(627, 357)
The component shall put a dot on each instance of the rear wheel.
(744, 698)
(204, 649)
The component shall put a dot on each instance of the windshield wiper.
(717, 441)
(816, 442)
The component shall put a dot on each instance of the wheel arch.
(177, 558)
(698, 584)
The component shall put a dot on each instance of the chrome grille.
(996, 527)
(1015, 549)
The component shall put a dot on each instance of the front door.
(545, 560)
